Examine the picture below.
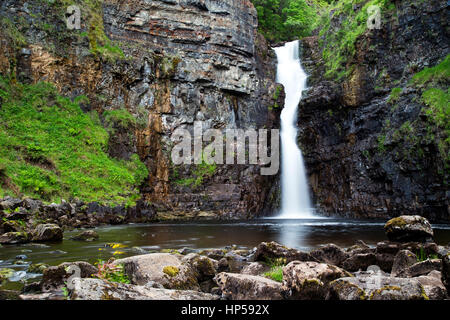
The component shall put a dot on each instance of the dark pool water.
(301, 234)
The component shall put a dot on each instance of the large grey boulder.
(164, 268)
(409, 228)
(271, 251)
(376, 287)
(247, 287)
(47, 232)
(309, 280)
(96, 289)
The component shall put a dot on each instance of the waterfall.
(295, 202)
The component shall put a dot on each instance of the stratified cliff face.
(373, 144)
(169, 63)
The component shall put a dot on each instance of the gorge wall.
(168, 63)
(372, 141)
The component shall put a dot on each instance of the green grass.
(200, 172)
(438, 74)
(50, 149)
(339, 46)
(395, 95)
(275, 273)
(119, 117)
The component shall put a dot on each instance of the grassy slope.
(50, 149)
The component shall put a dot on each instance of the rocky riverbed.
(408, 266)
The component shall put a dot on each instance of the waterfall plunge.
(294, 188)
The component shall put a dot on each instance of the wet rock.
(14, 238)
(331, 254)
(47, 232)
(402, 260)
(54, 278)
(88, 235)
(95, 289)
(409, 228)
(164, 268)
(420, 268)
(271, 251)
(359, 261)
(375, 287)
(234, 262)
(309, 280)
(246, 287)
(433, 286)
(255, 269)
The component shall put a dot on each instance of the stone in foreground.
(164, 268)
(246, 287)
(271, 251)
(96, 289)
(376, 287)
(409, 228)
(309, 280)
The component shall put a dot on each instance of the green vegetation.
(395, 95)
(283, 20)
(423, 256)
(111, 272)
(200, 172)
(439, 74)
(171, 271)
(120, 117)
(339, 45)
(276, 269)
(50, 149)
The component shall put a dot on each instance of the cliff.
(167, 64)
(375, 133)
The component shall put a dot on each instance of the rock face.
(247, 287)
(183, 61)
(95, 289)
(408, 228)
(309, 280)
(368, 154)
(373, 287)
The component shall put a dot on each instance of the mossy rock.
(171, 271)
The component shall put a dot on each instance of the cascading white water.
(295, 203)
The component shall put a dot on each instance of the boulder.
(386, 251)
(420, 268)
(247, 287)
(47, 232)
(359, 261)
(54, 278)
(255, 269)
(14, 238)
(96, 289)
(446, 271)
(309, 280)
(402, 260)
(330, 253)
(409, 228)
(204, 267)
(88, 235)
(272, 251)
(164, 268)
(433, 286)
(376, 287)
